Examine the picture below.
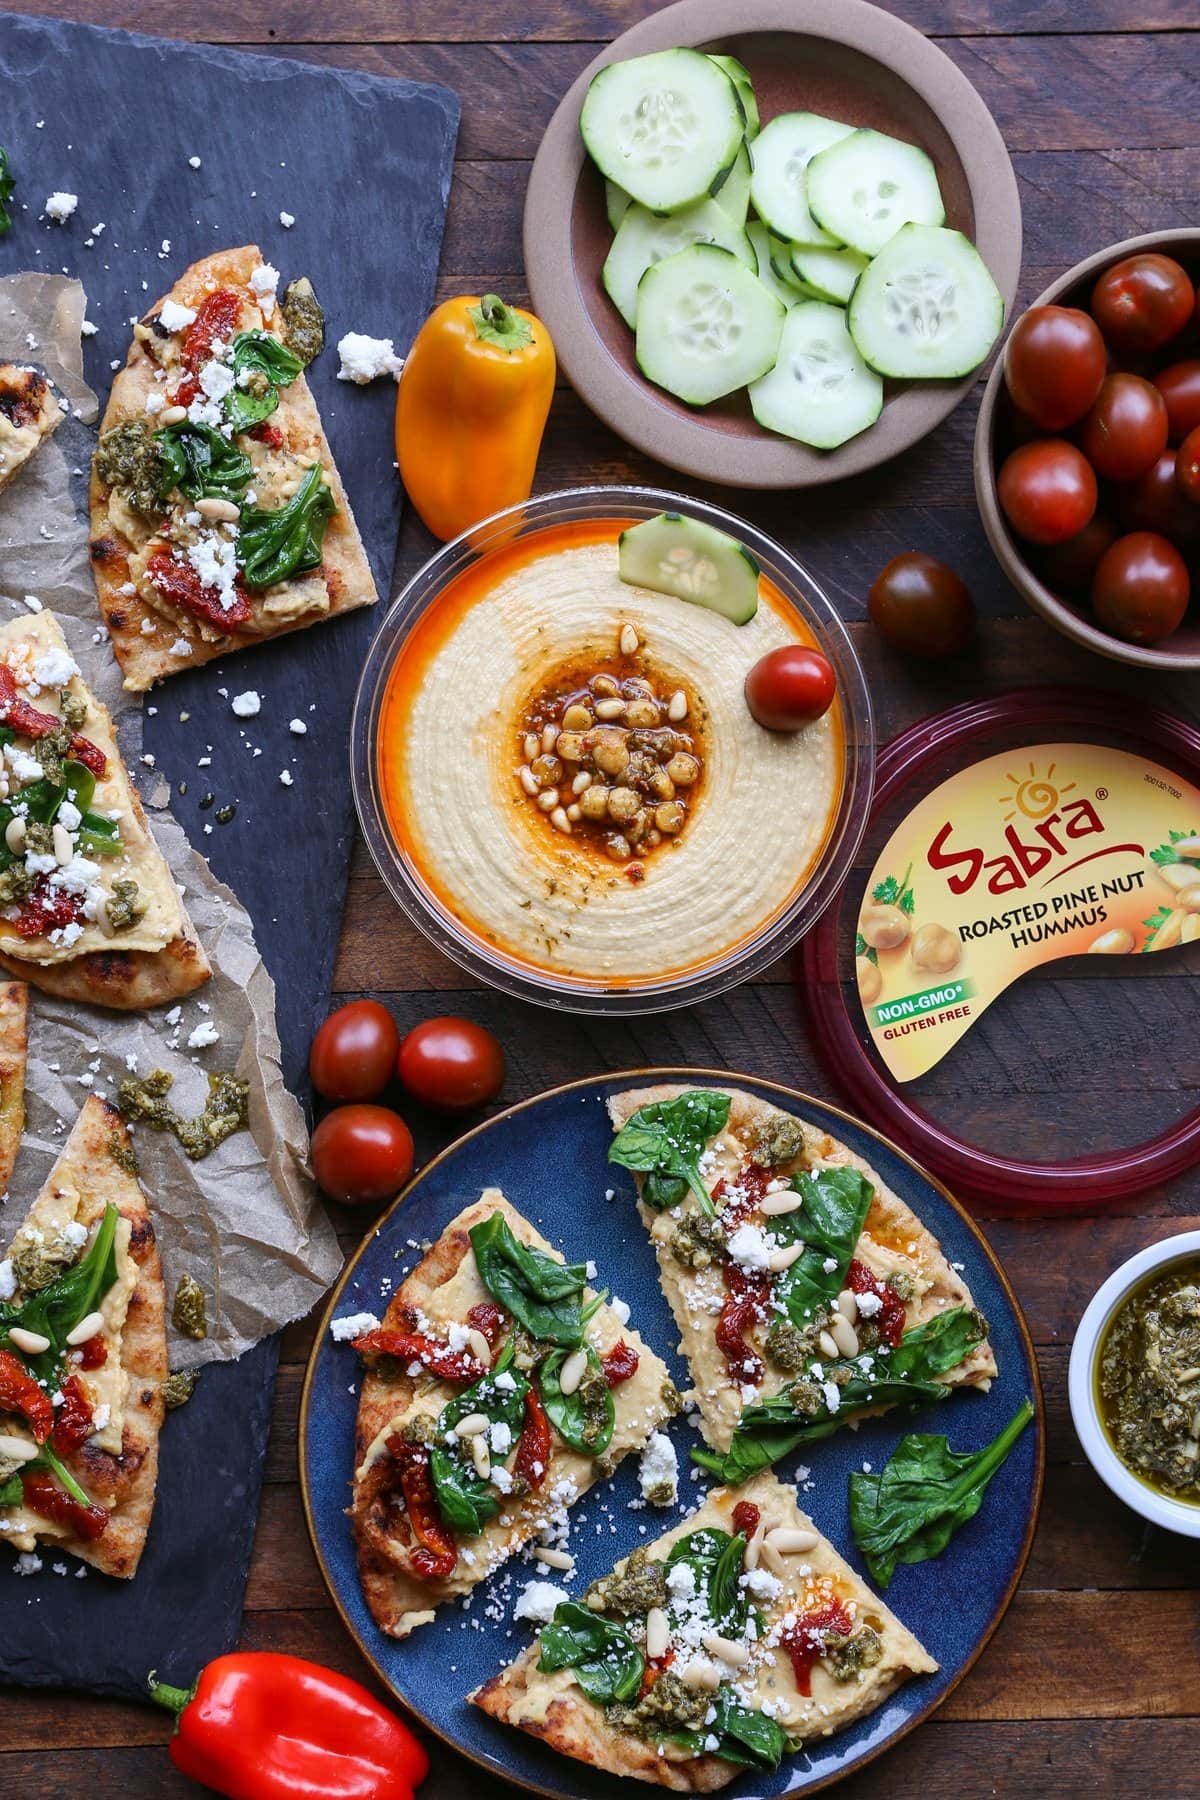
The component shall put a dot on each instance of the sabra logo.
(1054, 823)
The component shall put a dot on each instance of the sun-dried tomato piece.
(436, 1554)
(20, 1393)
(745, 1517)
(266, 433)
(178, 582)
(889, 1320)
(804, 1642)
(94, 1353)
(416, 1346)
(533, 1450)
(27, 721)
(44, 1496)
(216, 320)
(74, 1423)
(619, 1364)
(746, 1303)
(488, 1318)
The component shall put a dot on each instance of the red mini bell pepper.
(257, 1726)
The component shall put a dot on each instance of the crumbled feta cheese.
(364, 358)
(501, 1438)
(28, 1563)
(32, 602)
(8, 1280)
(180, 647)
(869, 1304)
(297, 727)
(287, 220)
(658, 1471)
(59, 207)
(538, 1600)
(749, 1247)
(216, 379)
(173, 317)
(214, 559)
(352, 1325)
(78, 875)
(505, 1382)
(264, 280)
(193, 162)
(285, 777)
(246, 705)
(54, 668)
(101, 1416)
(620, 1310)
(23, 766)
(204, 1034)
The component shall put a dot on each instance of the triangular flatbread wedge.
(752, 1333)
(89, 909)
(402, 1399)
(14, 1043)
(176, 584)
(823, 1652)
(111, 1381)
(29, 412)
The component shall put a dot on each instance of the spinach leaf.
(716, 1560)
(273, 546)
(57, 1309)
(586, 1430)
(7, 184)
(465, 1500)
(774, 1428)
(41, 800)
(11, 1491)
(910, 1510)
(744, 1735)
(502, 1404)
(828, 1223)
(201, 464)
(665, 1140)
(540, 1293)
(269, 365)
(606, 1662)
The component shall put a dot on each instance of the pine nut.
(844, 1335)
(772, 1560)
(677, 707)
(479, 1347)
(628, 641)
(658, 1628)
(716, 1645)
(784, 1258)
(86, 1329)
(17, 1449)
(32, 1342)
(481, 1456)
(172, 415)
(549, 737)
(548, 799)
(64, 849)
(581, 783)
(609, 709)
(532, 745)
(775, 1205)
(555, 1559)
(573, 1372)
(213, 507)
(573, 813)
(790, 1540)
(14, 834)
(754, 1547)
(827, 1344)
(528, 780)
(847, 1304)
(560, 821)
(472, 1425)
(701, 1674)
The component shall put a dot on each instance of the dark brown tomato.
(921, 607)
(362, 1154)
(1141, 588)
(1187, 469)
(1155, 502)
(1054, 362)
(1125, 431)
(1179, 385)
(353, 1054)
(1068, 568)
(1142, 303)
(1047, 491)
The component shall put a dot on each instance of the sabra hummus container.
(1005, 984)
(522, 628)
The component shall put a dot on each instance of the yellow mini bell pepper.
(471, 409)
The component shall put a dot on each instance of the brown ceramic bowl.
(849, 61)
(994, 438)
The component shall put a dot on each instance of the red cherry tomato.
(1142, 303)
(354, 1052)
(451, 1063)
(1141, 588)
(1125, 430)
(1155, 502)
(919, 605)
(1047, 490)
(1187, 468)
(1068, 568)
(362, 1154)
(790, 687)
(1054, 363)
(1179, 385)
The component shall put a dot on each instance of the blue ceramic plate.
(549, 1157)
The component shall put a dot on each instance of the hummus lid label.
(1042, 852)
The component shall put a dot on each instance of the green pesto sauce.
(640, 1585)
(123, 1154)
(127, 457)
(225, 1111)
(178, 1388)
(303, 320)
(190, 1311)
(125, 905)
(1148, 1381)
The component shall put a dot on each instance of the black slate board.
(364, 166)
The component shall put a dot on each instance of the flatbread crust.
(554, 1709)
(123, 1481)
(14, 1039)
(443, 1287)
(160, 959)
(897, 1239)
(29, 412)
(147, 644)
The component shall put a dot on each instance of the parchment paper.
(246, 1221)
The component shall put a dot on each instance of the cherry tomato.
(362, 1154)
(1125, 431)
(451, 1063)
(1187, 468)
(1054, 363)
(790, 687)
(1141, 588)
(1068, 568)
(1179, 385)
(354, 1052)
(919, 605)
(1047, 490)
(1142, 303)
(1155, 503)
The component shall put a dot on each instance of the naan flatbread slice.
(29, 412)
(117, 1374)
(169, 579)
(14, 1025)
(401, 1399)
(828, 1651)
(749, 1331)
(89, 909)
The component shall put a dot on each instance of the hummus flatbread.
(823, 1652)
(89, 909)
(168, 564)
(117, 1379)
(14, 1024)
(402, 1399)
(29, 412)
(748, 1331)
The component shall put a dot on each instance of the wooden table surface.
(1092, 1683)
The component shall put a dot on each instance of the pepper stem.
(173, 1698)
(496, 323)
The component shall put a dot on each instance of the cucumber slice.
(784, 269)
(691, 561)
(705, 324)
(820, 391)
(866, 186)
(787, 291)
(830, 274)
(926, 305)
(739, 74)
(778, 187)
(644, 238)
(664, 127)
(616, 203)
(733, 195)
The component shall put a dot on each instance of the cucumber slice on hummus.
(691, 561)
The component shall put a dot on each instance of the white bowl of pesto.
(1135, 1383)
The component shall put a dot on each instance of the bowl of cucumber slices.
(774, 255)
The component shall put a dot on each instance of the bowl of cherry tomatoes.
(1087, 453)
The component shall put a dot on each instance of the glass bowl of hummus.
(560, 781)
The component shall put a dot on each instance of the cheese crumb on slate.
(538, 1600)
(59, 207)
(246, 705)
(364, 359)
(287, 220)
(193, 162)
(297, 727)
(658, 1472)
(285, 777)
(352, 1325)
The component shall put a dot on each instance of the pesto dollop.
(178, 1388)
(640, 1585)
(303, 320)
(225, 1111)
(189, 1314)
(1148, 1377)
(128, 457)
(125, 905)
